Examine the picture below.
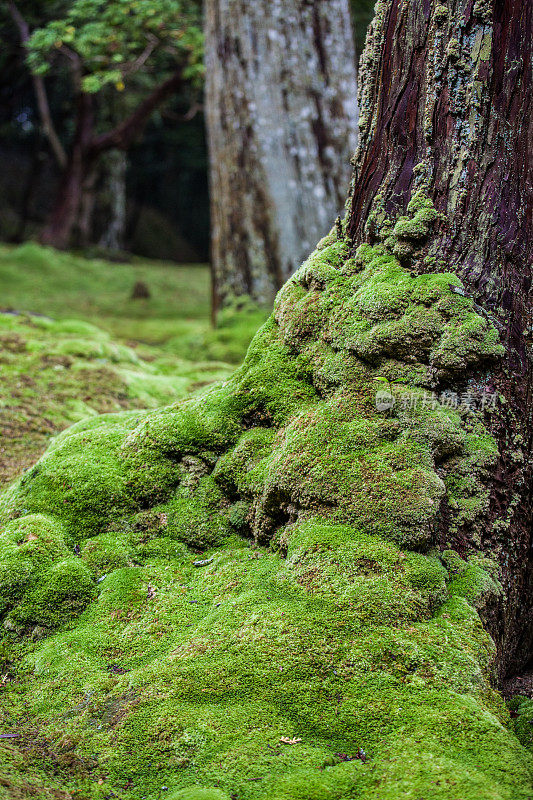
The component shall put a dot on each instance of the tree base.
(330, 639)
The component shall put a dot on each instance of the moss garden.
(246, 594)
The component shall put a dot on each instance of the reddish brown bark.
(66, 209)
(446, 107)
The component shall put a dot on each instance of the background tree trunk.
(281, 120)
(451, 115)
(114, 193)
(65, 213)
(29, 190)
(84, 226)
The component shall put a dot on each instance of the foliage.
(152, 49)
(362, 13)
(165, 165)
(115, 40)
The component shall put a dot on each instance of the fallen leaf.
(286, 740)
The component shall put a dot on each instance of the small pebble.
(202, 563)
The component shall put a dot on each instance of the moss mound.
(522, 711)
(272, 608)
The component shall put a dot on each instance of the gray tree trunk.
(281, 116)
(115, 192)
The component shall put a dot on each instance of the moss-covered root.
(249, 593)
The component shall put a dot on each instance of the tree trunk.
(405, 525)
(115, 198)
(65, 212)
(281, 119)
(58, 230)
(84, 226)
(446, 108)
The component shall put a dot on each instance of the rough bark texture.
(446, 107)
(281, 119)
(356, 625)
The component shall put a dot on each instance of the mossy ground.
(59, 285)
(175, 316)
(246, 594)
(54, 373)
(61, 360)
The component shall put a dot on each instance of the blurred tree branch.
(124, 134)
(40, 92)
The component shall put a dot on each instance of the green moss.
(468, 343)
(330, 783)
(44, 280)
(417, 225)
(323, 264)
(80, 480)
(441, 14)
(68, 332)
(105, 553)
(404, 237)
(236, 324)
(60, 595)
(194, 514)
(41, 582)
(221, 663)
(331, 651)
(522, 710)
(55, 373)
(475, 583)
(20, 778)
(198, 793)
(303, 452)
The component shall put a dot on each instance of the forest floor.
(73, 342)
(150, 647)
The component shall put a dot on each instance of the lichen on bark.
(448, 112)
